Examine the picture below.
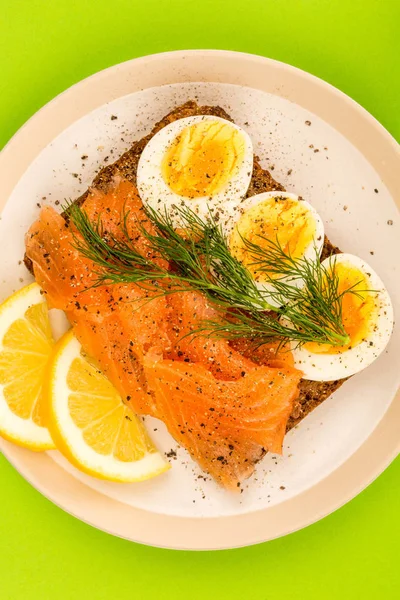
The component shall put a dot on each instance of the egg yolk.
(359, 312)
(203, 159)
(277, 219)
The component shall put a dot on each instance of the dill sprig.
(197, 255)
(200, 255)
(112, 257)
(302, 302)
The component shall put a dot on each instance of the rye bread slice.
(312, 393)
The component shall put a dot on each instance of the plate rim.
(179, 532)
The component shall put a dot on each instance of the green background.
(46, 47)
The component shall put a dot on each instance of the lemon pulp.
(108, 426)
(25, 350)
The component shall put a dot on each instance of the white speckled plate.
(318, 143)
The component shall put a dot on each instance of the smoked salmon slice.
(227, 426)
(223, 407)
(189, 311)
(122, 206)
(107, 320)
(60, 270)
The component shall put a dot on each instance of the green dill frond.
(301, 302)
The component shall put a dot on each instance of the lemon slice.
(90, 424)
(26, 344)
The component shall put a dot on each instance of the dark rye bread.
(312, 393)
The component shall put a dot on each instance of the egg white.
(313, 249)
(156, 193)
(330, 367)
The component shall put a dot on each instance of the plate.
(319, 143)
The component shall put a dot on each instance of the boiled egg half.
(277, 217)
(204, 163)
(367, 317)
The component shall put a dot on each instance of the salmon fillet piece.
(107, 320)
(122, 199)
(188, 311)
(227, 426)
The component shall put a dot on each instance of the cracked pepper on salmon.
(224, 405)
